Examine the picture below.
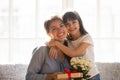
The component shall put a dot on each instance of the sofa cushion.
(13, 72)
(109, 71)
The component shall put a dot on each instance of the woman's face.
(57, 30)
(72, 27)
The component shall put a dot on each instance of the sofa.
(108, 71)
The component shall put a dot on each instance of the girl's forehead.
(71, 20)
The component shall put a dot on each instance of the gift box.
(69, 75)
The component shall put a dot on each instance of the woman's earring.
(69, 36)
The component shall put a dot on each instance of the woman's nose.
(59, 29)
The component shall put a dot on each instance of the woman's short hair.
(48, 22)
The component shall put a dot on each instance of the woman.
(80, 42)
(41, 66)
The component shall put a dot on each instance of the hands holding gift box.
(69, 74)
(64, 76)
(54, 76)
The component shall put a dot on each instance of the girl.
(80, 43)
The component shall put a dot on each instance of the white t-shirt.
(89, 53)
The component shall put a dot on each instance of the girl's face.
(57, 30)
(73, 27)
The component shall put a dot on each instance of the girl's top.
(88, 54)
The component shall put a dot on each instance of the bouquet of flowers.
(81, 65)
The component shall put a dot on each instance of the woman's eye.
(54, 28)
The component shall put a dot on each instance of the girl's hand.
(52, 43)
(53, 52)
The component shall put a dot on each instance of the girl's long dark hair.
(74, 16)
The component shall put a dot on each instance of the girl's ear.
(50, 35)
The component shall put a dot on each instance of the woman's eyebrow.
(53, 27)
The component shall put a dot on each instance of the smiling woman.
(42, 66)
(56, 29)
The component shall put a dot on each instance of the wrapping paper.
(69, 75)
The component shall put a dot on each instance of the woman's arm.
(35, 66)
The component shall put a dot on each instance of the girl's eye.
(74, 22)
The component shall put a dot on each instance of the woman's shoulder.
(41, 50)
(40, 53)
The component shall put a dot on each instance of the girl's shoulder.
(83, 37)
(86, 35)
(87, 38)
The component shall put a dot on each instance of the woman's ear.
(50, 35)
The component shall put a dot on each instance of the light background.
(21, 26)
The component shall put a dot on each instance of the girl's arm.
(70, 52)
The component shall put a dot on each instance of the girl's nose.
(70, 25)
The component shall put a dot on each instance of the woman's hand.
(54, 76)
(57, 73)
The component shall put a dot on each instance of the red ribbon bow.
(68, 71)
